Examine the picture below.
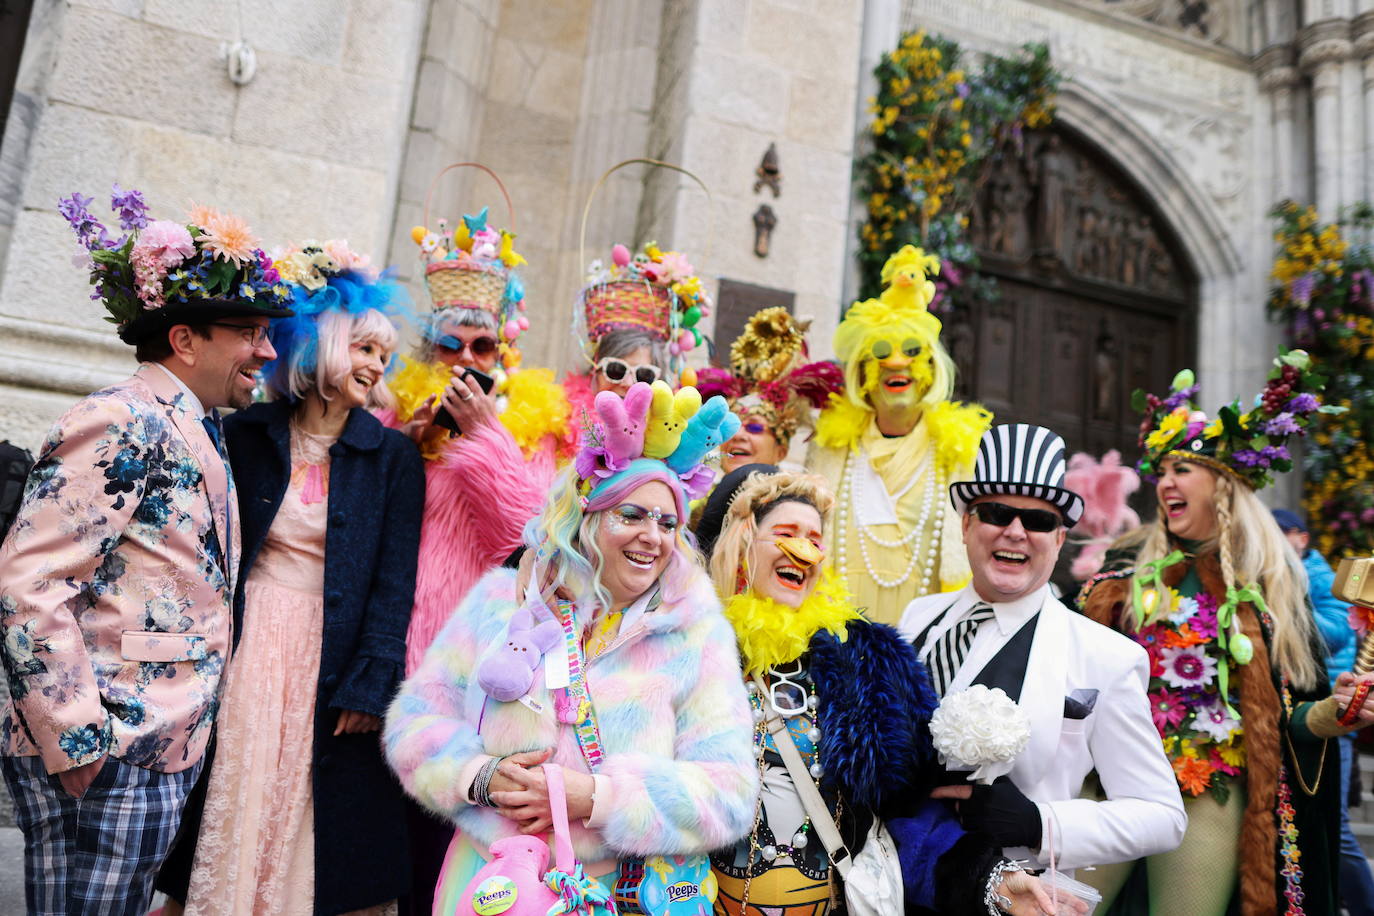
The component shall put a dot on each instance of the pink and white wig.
(564, 533)
(313, 346)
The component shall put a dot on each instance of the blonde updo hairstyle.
(756, 497)
(1250, 549)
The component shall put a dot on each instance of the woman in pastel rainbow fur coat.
(674, 772)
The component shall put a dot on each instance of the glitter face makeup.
(637, 539)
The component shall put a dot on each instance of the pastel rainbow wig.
(313, 345)
(565, 532)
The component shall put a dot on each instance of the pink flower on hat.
(167, 240)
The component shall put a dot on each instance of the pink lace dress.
(256, 850)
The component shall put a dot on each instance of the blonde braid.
(1221, 499)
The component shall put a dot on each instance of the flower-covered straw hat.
(166, 272)
(1246, 444)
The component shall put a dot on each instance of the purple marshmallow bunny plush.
(506, 672)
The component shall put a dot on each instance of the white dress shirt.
(992, 635)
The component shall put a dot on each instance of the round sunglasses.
(882, 349)
(480, 346)
(1000, 515)
(616, 370)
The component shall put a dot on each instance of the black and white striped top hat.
(1021, 460)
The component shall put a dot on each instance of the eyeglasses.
(253, 334)
(616, 370)
(754, 428)
(480, 346)
(882, 349)
(1001, 515)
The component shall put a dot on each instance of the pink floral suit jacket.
(116, 583)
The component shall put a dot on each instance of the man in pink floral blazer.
(117, 577)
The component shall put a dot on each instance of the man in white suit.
(1081, 684)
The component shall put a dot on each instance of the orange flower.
(228, 237)
(201, 214)
(1181, 638)
(1194, 776)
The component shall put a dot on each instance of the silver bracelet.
(481, 785)
(995, 902)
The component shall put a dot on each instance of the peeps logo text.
(683, 890)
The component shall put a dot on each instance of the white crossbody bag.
(873, 878)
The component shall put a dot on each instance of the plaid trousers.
(96, 855)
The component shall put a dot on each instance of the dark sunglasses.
(1001, 515)
(882, 349)
(754, 428)
(615, 370)
(481, 346)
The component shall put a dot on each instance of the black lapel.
(1007, 669)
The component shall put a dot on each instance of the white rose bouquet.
(979, 729)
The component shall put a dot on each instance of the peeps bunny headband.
(653, 432)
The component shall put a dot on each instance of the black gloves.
(1003, 813)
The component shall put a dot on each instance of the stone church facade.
(1130, 240)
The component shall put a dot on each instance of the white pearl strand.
(934, 484)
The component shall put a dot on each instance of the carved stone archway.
(1097, 298)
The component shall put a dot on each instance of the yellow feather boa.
(772, 634)
(955, 429)
(535, 405)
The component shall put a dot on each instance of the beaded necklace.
(934, 484)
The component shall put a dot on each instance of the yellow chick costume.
(896, 536)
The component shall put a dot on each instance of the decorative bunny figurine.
(708, 428)
(624, 421)
(506, 672)
(668, 416)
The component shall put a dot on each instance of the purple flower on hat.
(133, 212)
(1281, 425)
(1303, 404)
(89, 230)
(1179, 398)
(1249, 458)
(1275, 453)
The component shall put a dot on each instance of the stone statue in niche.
(1105, 360)
(769, 172)
(958, 338)
(764, 221)
(1053, 180)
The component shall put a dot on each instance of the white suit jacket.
(1143, 813)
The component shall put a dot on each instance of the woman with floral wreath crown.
(893, 440)
(856, 704)
(1238, 688)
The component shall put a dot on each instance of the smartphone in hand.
(445, 419)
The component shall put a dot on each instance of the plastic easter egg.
(696, 337)
(620, 255)
(512, 329)
(523, 322)
(417, 233)
(688, 378)
(1149, 600)
(691, 317)
(674, 349)
(515, 288)
(684, 339)
(1242, 650)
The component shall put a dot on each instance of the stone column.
(1362, 31)
(1279, 78)
(1323, 47)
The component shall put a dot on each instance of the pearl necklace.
(934, 483)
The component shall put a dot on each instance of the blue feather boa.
(876, 703)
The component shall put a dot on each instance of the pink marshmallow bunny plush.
(506, 672)
(618, 436)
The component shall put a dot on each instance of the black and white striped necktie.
(948, 652)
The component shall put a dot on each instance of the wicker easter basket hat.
(467, 283)
(638, 303)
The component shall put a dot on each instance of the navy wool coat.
(376, 494)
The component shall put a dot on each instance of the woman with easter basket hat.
(842, 711)
(631, 685)
(476, 441)
(1238, 687)
(636, 318)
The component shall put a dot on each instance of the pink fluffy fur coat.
(675, 726)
